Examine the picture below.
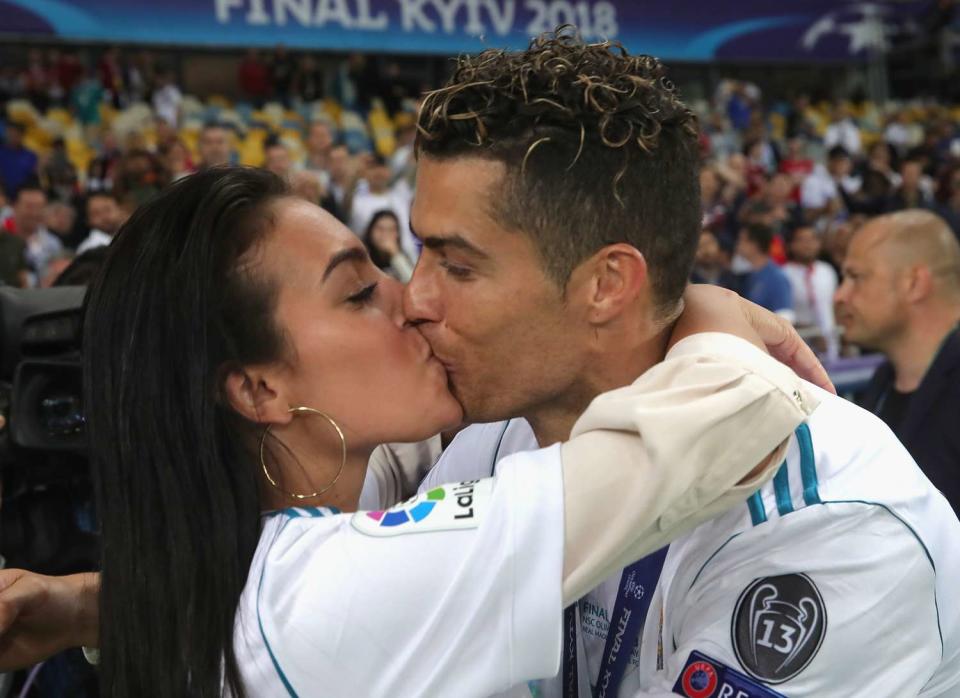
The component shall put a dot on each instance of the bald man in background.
(901, 295)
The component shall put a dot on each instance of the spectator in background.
(27, 223)
(167, 98)
(104, 218)
(60, 218)
(911, 193)
(214, 146)
(947, 202)
(276, 158)
(281, 74)
(711, 264)
(901, 295)
(765, 284)
(36, 80)
(86, 99)
(254, 78)
(176, 160)
(713, 210)
(826, 193)
(796, 165)
(343, 180)
(899, 134)
(5, 209)
(813, 284)
(103, 168)
(383, 240)
(14, 270)
(843, 131)
(308, 80)
(17, 162)
(111, 75)
(374, 193)
(58, 174)
(880, 160)
(139, 176)
(800, 120)
(319, 144)
(307, 185)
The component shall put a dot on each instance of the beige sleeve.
(650, 461)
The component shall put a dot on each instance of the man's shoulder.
(842, 464)
(475, 451)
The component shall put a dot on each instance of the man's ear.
(612, 280)
(255, 393)
(919, 283)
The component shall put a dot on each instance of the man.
(375, 193)
(17, 162)
(214, 145)
(911, 193)
(765, 284)
(711, 265)
(167, 98)
(813, 284)
(104, 217)
(554, 255)
(276, 158)
(901, 295)
(27, 223)
(59, 218)
(826, 192)
(319, 144)
(843, 131)
(551, 273)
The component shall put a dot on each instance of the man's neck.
(614, 367)
(912, 354)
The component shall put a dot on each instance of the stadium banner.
(685, 30)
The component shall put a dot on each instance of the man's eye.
(364, 295)
(456, 271)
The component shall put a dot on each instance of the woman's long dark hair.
(174, 306)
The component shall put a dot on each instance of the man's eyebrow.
(349, 254)
(439, 242)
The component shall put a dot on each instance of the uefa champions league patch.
(778, 626)
(445, 508)
(703, 677)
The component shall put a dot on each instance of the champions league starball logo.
(865, 26)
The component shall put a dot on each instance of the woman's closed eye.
(364, 295)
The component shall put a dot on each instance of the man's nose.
(421, 297)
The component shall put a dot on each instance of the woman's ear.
(255, 394)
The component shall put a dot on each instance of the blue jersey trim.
(263, 634)
(496, 451)
(758, 514)
(808, 466)
(781, 487)
(303, 512)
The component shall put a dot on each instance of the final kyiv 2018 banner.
(693, 30)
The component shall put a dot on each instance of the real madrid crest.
(778, 626)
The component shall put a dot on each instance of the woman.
(382, 239)
(242, 354)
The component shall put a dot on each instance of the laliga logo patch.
(778, 626)
(444, 508)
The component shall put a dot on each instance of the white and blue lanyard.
(623, 634)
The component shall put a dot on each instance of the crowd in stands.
(784, 185)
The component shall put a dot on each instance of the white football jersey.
(841, 577)
(455, 592)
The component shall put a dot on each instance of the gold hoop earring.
(343, 454)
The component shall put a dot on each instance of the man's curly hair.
(598, 149)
